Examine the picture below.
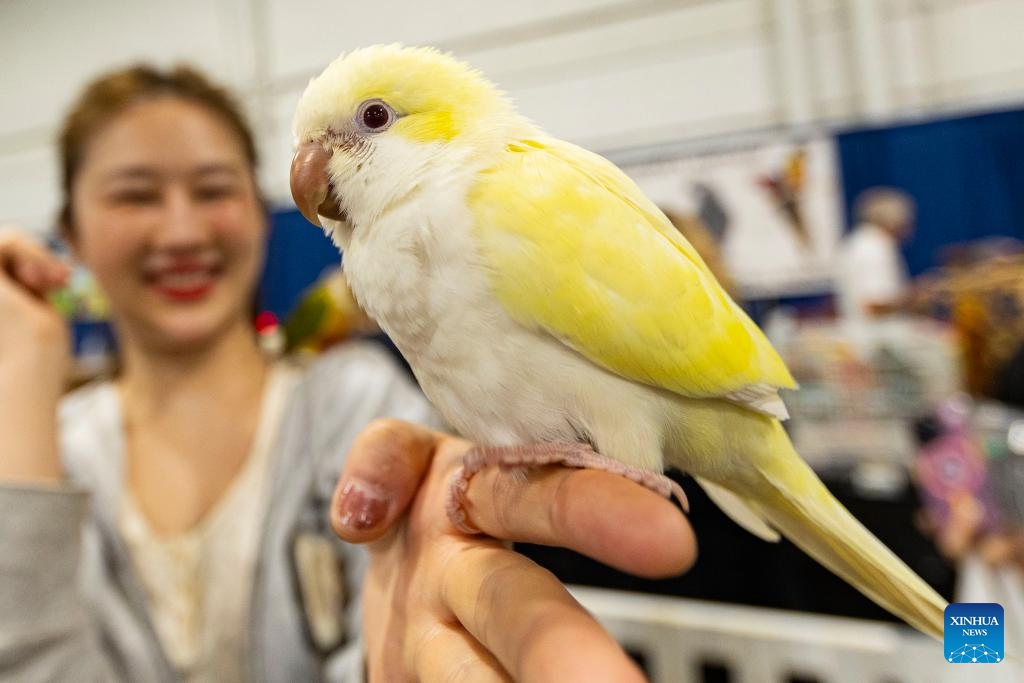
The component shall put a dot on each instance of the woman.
(191, 493)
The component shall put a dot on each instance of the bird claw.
(576, 455)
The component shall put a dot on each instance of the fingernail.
(33, 272)
(361, 506)
(59, 272)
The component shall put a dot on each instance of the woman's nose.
(182, 224)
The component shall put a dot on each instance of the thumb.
(383, 471)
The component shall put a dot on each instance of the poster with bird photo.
(773, 211)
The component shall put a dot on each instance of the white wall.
(612, 75)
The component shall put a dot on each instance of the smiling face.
(168, 218)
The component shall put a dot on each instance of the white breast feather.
(416, 270)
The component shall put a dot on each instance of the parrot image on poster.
(711, 211)
(552, 313)
(785, 188)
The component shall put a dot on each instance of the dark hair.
(109, 95)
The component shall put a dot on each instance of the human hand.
(441, 605)
(33, 330)
(34, 358)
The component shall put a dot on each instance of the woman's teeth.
(192, 279)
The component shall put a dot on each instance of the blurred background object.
(980, 291)
(326, 314)
(82, 303)
(756, 125)
(885, 221)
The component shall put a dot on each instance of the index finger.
(383, 471)
(599, 514)
(29, 263)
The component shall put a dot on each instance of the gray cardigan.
(71, 607)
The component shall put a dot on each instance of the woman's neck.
(229, 368)
(190, 421)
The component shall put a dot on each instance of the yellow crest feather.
(438, 96)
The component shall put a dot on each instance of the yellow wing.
(577, 250)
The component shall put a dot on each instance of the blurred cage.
(690, 641)
(861, 387)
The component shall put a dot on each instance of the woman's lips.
(184, 283)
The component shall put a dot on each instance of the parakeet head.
(381, 120)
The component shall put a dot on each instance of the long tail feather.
(794, 501)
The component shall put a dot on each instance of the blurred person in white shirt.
(872, 279)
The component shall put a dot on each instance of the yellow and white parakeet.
(548, 308)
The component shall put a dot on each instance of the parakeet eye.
(375, 115)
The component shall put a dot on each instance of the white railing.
(677, 638)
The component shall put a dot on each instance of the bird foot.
(577, 455)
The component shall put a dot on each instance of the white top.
(199, 583)
(870, 270)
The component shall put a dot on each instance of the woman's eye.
(213, 192)
(136, 197)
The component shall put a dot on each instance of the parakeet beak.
(311, 183)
